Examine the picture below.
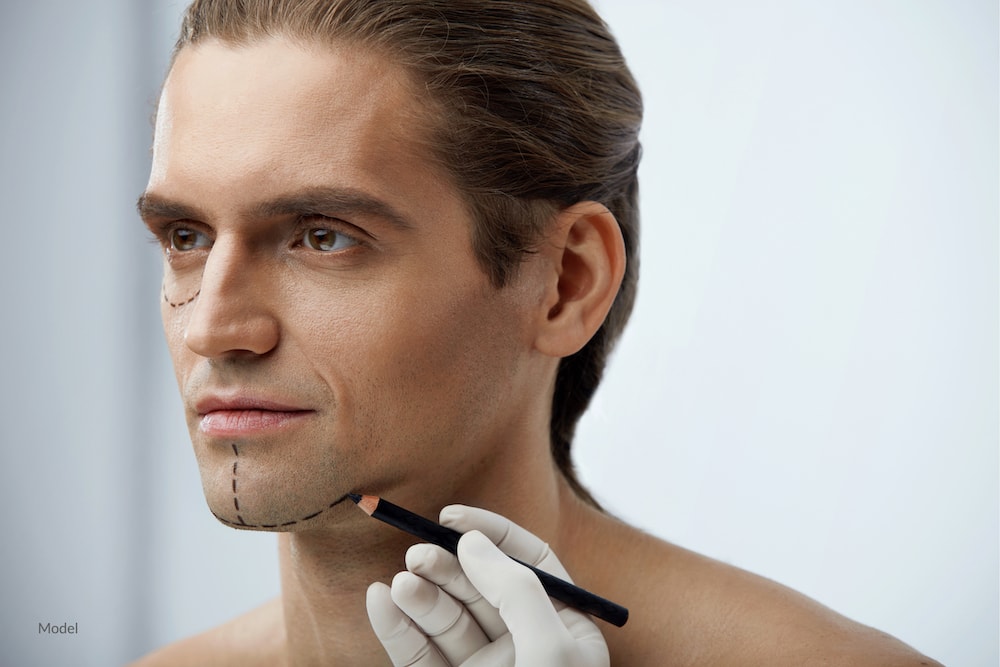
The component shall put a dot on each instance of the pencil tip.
(355, 497)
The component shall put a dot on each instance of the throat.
(324, 582)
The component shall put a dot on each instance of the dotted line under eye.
(240, 523)
(170, 303)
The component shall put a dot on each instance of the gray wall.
(79, 330)
(809, 389)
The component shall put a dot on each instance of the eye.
(183, 238)
(324, 239)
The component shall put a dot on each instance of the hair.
(536, 111)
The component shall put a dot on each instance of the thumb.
(515, 591)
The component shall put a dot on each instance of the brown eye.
(326, 240)
(183, 239)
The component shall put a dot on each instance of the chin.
(274, 519)
(254, 490)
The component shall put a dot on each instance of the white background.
(808, 388)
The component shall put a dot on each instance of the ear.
(586, 262)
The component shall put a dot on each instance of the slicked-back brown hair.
(537, 111)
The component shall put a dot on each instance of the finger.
(535, 627)
(512, 539)
(499, 653)
(592, 645)
(442, 568)
(403, 641)
(447, 623)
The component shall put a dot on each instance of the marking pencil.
(447, 539)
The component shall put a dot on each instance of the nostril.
(217, 328)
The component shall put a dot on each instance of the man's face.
(330, 328)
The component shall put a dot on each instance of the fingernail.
(421, 556)
(477, 545)
(451, 515)
(405, 582)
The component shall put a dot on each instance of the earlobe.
(587, 260)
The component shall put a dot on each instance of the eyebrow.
(332, 201)
(150, 205)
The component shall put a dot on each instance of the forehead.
(276, 113)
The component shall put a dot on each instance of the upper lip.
(213, 403)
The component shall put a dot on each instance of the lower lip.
(229, 423)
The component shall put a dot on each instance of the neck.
(324, 576)
(326, 571)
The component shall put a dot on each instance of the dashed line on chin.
(241, 523)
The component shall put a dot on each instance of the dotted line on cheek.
(240, 523)
(170, 303)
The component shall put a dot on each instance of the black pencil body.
(446, 538)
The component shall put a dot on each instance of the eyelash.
(311, 223)
(163, 234)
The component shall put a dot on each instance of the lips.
(238, 416)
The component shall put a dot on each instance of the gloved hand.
(481, 609)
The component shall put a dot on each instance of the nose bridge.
(227, 268)
(229, 315)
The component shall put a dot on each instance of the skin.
(388, 365)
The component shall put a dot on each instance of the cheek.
(174, 320)
(434, 336)
(181, 285)
(437, 365)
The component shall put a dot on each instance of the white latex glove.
(481, 609)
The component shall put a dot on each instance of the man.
(399, 241)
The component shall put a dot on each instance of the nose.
(230, 316)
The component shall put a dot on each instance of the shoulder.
(255, 638)
(687, 609)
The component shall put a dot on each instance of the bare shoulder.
(687, 609)
(255, 638)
